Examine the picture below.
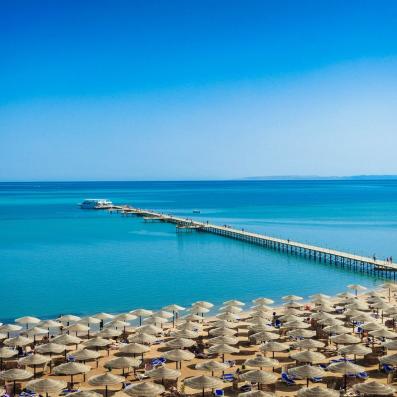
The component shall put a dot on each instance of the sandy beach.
(313, 331)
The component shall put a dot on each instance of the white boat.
(95, 204)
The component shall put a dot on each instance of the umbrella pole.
(15, 387)
(71, 381)
(106, 390)
(345, 381)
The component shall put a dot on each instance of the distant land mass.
(316, 177)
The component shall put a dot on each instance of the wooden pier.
(375, 267)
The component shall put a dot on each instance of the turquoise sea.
(56, 258)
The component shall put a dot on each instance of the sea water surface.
(56, 258)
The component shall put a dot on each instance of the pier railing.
(373, 266)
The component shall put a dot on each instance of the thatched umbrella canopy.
(149, 329)
(273, 346)
(134, 348)
(265, 336)
(356, 350)
(227, 340)
(109, 333)
(106, 379)
(144, 389)
(8, 328)
(391, 344)
(71, 369)
(330, 321)
(307, 372)
(50, 324)
(263, 301)
(309, 344)
(291, 298)
(141, 313)
(27, 320)
(211, 366)
(222, 331)
(104, 316)
(295, 325)
(85, 393)
(256, 393)
(6, 352)
(336, 329)
(317, 391)
(260, 377)
(308, 356)
(345, 368)
(356, 287)
(373, 388)
(85, 355)
(33, 360)
(66, 339)
(142, 338)
(68, 318)
(46, 386)
(261, 361)
(97, 342)
(390, 359)
(123, 363)
(345, 339)
(18, 341)
(14, 375)
(178, 356)
(371, 326)
(163, 372)
(204, 382)
(383, 333)
(180, 343)
(78, 327)
(223, 349)
(230, 309)
(301, 333)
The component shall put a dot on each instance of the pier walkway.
(376, 267)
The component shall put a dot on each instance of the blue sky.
(197, 89)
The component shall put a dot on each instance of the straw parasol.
(123, 363)
(391, 359)
(273, 346)
(47, 386)
(6, 352)
(178, 356)
(371, 326)
(265, 336)
(317, 391)
(308, 356)
(336, 329)
(260, 377)
(142, 338)
(309, 344)
(373, 388)
(18, 341)
(356, 287)
(66, 339)
(10, 328)
(27, 320)
(223, 349)
(50, 324)
(149, 329)
(211, 366)
(33, 360)
(179, 343)
(263, 301)
(85, 355)
(85, 393)
(228, 340)
(141, 313)
(391, 344)
(144, 389)
(256, 393)
(106, 379)
(14, 375)
(97, 342)
(207, 305)
(189, 323)
(230, 309)
(345, 368)
(301, 333)
(222, 331)
(71, 369)
(233, 302)
(228, 316)
(330, 321)
(203, 382)
(307, 372)
(296, 325)
(109, 333)
(261, 361)
(291, 298)
(104, 316)
(163, 372)
(78, 327)
(134, 348)
(126, 317)
(356, 349)
(383, 333)
(68, 318)
(345, 339)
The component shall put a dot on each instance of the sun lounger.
(362, 375)
(219, 392)
(245, 388)
(141, 376)
(228, 377)
(158, 361)
(231, 363)
(387, 368)
(287, 379)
